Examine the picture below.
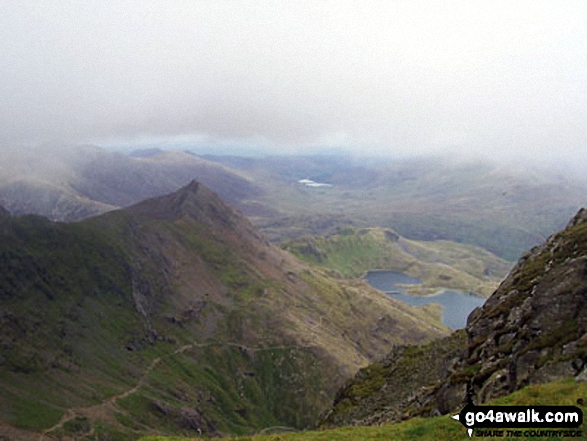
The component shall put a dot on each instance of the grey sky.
(378, 76)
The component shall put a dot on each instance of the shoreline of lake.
(456, 305)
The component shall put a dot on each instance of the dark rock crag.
(533, 329)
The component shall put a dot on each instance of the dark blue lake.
(387, 281)
(456, 305)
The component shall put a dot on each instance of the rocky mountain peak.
(194, 201)
(197, 203)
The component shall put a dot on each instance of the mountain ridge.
(181, 322)
(70, 183)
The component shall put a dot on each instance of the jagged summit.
(194, 201)
(579, 218)
(197, 203)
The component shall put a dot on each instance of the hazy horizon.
(495, 79)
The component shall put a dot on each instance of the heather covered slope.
(175, 316)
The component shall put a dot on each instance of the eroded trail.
(106, 410)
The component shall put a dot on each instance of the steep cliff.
(533, 329)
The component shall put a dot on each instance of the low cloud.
(499, 78)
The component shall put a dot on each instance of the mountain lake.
(456, 305)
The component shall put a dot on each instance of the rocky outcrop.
(384, 390)
(533, 329)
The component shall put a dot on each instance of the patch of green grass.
(372, 378)
(439, 264)
(34, 414)
(75, 426)
(564, 392)
(105, 431)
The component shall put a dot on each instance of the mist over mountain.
(506, 79)
(503, 208)
(69, 183)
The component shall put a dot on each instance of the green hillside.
(439, 264)
(563, 392)
(176, 317)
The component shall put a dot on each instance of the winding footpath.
(106, 410)
(108, 407)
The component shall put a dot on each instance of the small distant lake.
(387, 281)
(456, 305)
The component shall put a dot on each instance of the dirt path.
(105, 410)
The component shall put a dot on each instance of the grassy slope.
(439, 264)
(564, 392)
(90, 361)
(92, 357)
(249, 352)
(67, 302)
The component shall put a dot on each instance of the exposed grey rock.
(533, 329)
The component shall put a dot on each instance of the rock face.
(382, 391)
(533, 329)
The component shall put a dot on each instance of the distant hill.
(438, 264)
(175, 316)
(504, 209)
(532, 330)
(73, 183)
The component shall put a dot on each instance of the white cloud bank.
(498, 77)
